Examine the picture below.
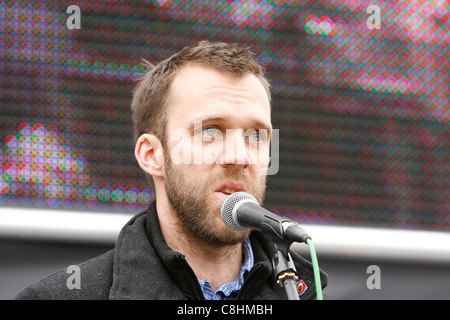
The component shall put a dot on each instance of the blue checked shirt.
(229, 291)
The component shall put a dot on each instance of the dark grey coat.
(142, 266)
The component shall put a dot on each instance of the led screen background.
(362, 113)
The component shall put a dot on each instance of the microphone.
(240, 211)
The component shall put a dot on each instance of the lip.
(228, 185)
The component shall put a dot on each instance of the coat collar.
(175, 263)
(138, 272)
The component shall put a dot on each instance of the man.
(202, 126)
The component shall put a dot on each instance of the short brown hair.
(151, 95)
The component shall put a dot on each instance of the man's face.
(220, 128)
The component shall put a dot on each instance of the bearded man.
(217, 95)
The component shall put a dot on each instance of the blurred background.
(362, 114)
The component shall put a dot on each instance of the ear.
(149, 154)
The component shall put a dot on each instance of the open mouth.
(228, 191)
(228, 188)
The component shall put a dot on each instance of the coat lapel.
(138, 272)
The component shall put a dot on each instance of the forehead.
(198, 92)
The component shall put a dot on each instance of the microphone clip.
(284, 269)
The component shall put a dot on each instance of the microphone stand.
(285, 271)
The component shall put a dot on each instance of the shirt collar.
(229, 290)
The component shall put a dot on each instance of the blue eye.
(210, 133)
(257, 136)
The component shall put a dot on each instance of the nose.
(235, 153)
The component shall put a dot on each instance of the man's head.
(217, 94)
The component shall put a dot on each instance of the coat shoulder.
(87, 281)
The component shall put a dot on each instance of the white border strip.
(60, 225)
(376, 243)
(349, 242)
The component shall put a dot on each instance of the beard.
(198, 209)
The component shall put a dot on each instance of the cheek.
(259, 158)
(180, 148)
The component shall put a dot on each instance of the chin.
(232, 237)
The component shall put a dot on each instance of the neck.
(217, 264)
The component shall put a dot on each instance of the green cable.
(315, 264)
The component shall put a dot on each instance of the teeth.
(229, 191)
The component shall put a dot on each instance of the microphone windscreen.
(228, 209)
